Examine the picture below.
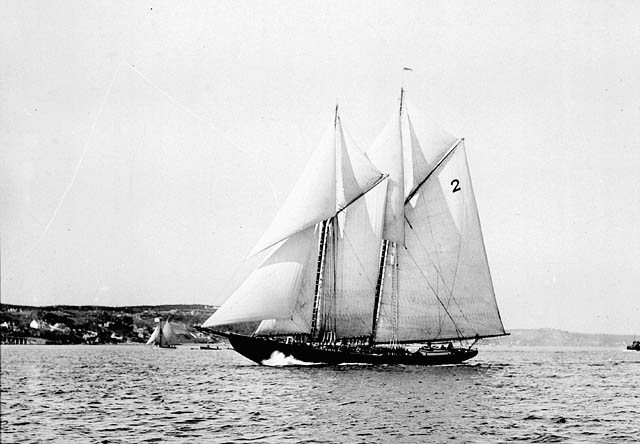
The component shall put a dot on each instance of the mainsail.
(442, 288)
(384, 246)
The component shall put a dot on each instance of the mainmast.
(387, 246)
(379, 284)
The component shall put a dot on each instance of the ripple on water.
(136, 394)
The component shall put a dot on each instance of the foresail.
(312, 199)
(276, 289)
(352, 266)
(443, 287)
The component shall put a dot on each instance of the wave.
(278, 359)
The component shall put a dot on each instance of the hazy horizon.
(146, 146)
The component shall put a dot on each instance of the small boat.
(374, 258)
(635, 345)
(164, 336)
(209, 347)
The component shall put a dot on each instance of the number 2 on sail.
(455, 183)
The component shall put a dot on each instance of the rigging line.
(373, 185)
(431, 287)
(455, 275)
(209, 125)
(184, 107)
(373, 287)
(437, 266)
(447, 288)
(80, 161)
(203, 120)
(438, 269)
(438, 165)
(379, 181)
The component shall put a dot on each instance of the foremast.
(322, 253)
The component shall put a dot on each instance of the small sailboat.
(164, 336)
(373, 258)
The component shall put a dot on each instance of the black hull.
(261, 349)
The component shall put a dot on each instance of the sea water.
(126, 394)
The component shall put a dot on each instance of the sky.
(145, 146)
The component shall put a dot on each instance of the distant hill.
(545, 337)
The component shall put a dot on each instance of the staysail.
(279, 288)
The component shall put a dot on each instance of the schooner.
(164, 336)
(374, 257)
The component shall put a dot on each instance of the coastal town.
(99, 325)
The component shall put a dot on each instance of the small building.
(58, 326)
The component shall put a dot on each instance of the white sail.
(169, 336)
(352, 266)
(424, 144)
(273, 290)
(337, 174)
(355, 174)
(442, 287)
(312, 199)
(154, 336)
(301, 310)
(387, 156)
